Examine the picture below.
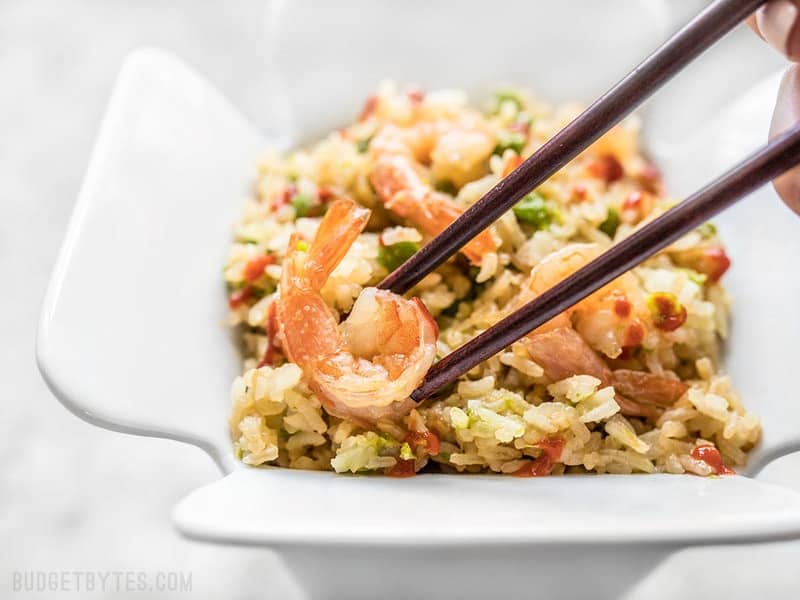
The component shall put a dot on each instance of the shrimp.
(456, 154)
(648, 387)
(608, 320)
(611, 318)
(562, 353)
(366, 367)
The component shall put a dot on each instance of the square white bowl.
(132, 335)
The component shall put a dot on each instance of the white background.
(74, 497)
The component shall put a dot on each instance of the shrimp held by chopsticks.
(366, 367)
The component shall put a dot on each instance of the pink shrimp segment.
(610, 319)
(607, 321)
(366, 367)
(397, 157)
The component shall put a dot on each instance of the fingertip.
(778, 23)
(788, 188)
(753, 24)
(786, 114)
(787, 104)
(793, 37)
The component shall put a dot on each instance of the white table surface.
(74, 497)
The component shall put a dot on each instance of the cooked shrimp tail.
(341, 227)
(366, 367)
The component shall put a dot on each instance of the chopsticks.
(765, 164)
(692, 40)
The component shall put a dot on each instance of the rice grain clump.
(626, 381)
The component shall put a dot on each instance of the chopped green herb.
(508, 96)
(384, 442)
(695, 276)
(405, 452)
(303, 203)
(610, 225)
(535, 210)
(302, 246)
(363, 145)
(394, 255)
(509, 140)
(707, 230)
(446, 186)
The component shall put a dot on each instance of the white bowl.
(132, 338)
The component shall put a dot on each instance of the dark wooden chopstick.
(767, 163)
(699, 34)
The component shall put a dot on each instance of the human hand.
(778, 23)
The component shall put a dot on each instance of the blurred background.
(77, 498)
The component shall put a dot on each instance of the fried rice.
(505, 415)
